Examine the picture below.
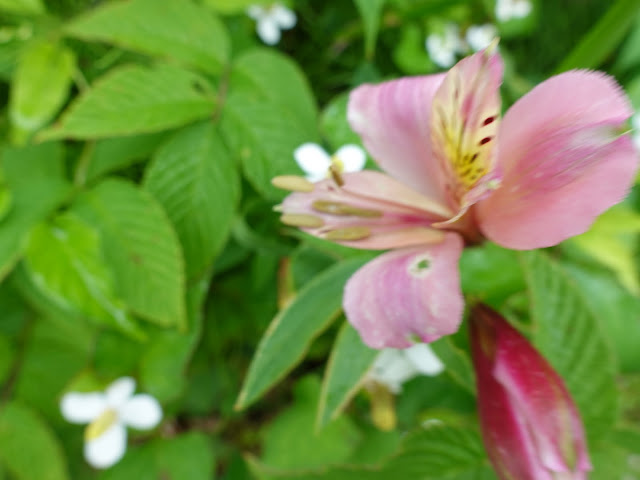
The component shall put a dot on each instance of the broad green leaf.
(457, 362)
(65, 261)
(23, 7)
(348, 364)
(58, 348)
(141, 247)
(294, 328)
(115, 153)
(189, 457)
(6, 197)
(35, 177)
(231, 6)
(370, 11)
(6, 358)
(134, 99)
(334, 125)
(28, 448)
(263, 135)
(568, 335)
(602, 40)
(178, 29)
(266, 73)
(195, 179)
(627, 58)
(39, 87)
(409, 53)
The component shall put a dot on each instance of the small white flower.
(271, 20)
(108, 414)
(480, 37)
(394, 367)
(443, 47)
(315, 161)
(510, 9)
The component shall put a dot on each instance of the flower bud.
(530, 425)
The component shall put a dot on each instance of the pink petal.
(393, 120)
(407, 293)
(562, 163)
(402, 217)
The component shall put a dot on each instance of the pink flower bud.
(530, 425)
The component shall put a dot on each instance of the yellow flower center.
(100, 425)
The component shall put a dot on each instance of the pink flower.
(456, 173)
(530, 425)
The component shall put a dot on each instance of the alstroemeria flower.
(270, 20)
(108, 414)
(393, 367)
(316, 162)
(509, 9)
(531, 427)
(457, 173)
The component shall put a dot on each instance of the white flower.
(270, 20)
(480, 37)
(108, 414)
(443, 47)
(509, 9)
(394, 367)
(315, 161)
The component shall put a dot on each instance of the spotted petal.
(407, 294)
(562, 160)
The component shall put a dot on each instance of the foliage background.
(137, 237)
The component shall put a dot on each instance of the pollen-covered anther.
(302, 220)
(342, 209)
(336, 174)
(293, 183)
(349, 233)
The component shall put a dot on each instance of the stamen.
(293, 183)
(334, 171)
(100, 425)
(341, 209)
(349, 233)
(301, 220)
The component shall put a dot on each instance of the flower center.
(100, 424)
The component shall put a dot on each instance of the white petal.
(480, 37)
(82, 407)
(313, 160)
(441, 55)
(268, 30)
(142, 412)
(256, 12)
(120, 391)
(283, 16)
(521, 8)
(504, 10)
(424, 360)
(352, 157)
(392, 368)
(108, 448)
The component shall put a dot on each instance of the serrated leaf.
(65, 261)
(177, 29)
(348, 364)
(134, 99)
(263, 135)
(568, 335)
(141, 247)
(291, 332)
(35, 177)
(39, 87)
(24, 437)
(370, 11)
(195, 179)
(266, 73)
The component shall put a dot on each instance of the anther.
(301, 220)
(341, 209)
(349, 233)
(293, 183)
(334, 171)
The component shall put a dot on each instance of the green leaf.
(267, 74)
(6, 358)
(195, 179)
(348, 364)
(141, 247)
(65, 261)
(602, 40)
(370, 11)
(294, 328)
(568, 335)
(134, 99)
(187, 456)
(39, 87)
(230, 6)
(28, 448)
(177, 29)
(23, 7)
(457, 362)
(263, 135)
(35, 177)
(334, 125)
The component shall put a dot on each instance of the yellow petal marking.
(100, 425)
